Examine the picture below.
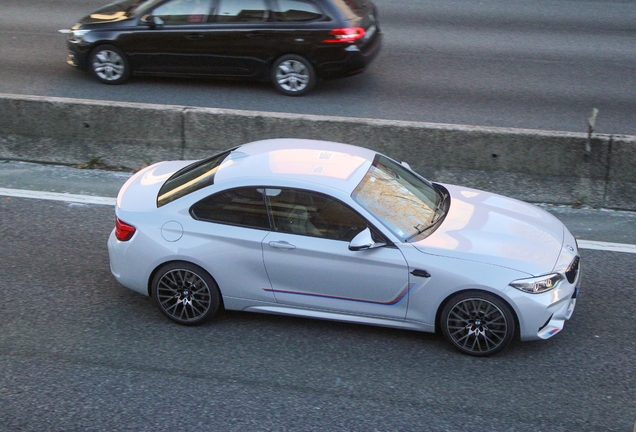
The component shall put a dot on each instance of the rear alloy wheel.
(109, 65)
(293, 75)
(185, 293)
(478, 323)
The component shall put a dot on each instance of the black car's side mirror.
(152, 21)
(363, 240)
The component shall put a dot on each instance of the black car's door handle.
(194, 36)
(255, 34)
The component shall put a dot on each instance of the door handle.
(194, 36)
(255, 34)
(282, 245)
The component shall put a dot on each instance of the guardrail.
(532, 165)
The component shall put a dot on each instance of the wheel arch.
(174, 261)
(112, 45)
(440, 308)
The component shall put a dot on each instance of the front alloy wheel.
(185, 293)
(109, 65)
(478, 323)
(293, 75)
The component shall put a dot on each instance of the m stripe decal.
(392, 302)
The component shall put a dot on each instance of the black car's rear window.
(191, 178)
(352, 9)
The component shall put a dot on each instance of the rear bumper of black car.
(354, 60)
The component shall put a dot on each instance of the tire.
(185, 293)
(293, 75)
(109, 64)
(478, 323)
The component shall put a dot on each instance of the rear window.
(191, 178)
(352, 9)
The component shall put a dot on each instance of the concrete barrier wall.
(536, 166)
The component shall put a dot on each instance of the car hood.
(140, 192)
(489, 228)
(110, 13)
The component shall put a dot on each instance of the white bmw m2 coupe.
(325, 230)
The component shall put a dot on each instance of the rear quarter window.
(242, 207)
(297, 11)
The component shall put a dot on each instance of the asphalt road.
(80, 352)
(542, 64)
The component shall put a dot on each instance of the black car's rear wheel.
(109, 64)
(293, 75)
(478, 323)
(185, 293)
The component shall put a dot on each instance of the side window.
(313, 214)
(297, 11)
(241, 11)
(242, 207)
(184, 11)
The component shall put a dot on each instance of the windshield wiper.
(434, 221)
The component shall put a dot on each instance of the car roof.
(335, 165)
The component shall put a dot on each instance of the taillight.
(348, 34)
(123, 231)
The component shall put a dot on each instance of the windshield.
(405, 203)
(140, 6)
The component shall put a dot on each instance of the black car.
(291, 43)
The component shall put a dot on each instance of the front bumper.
(557, 320)
(541, 316)
(77, 55)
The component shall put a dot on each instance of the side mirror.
(151, 21)
(363, 240)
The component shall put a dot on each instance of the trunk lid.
(139, 193)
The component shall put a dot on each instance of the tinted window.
(356, 6)
(243, 207)
(313, 214)
(184, 11)
(191, 178)
(297, 10)
(241, 11)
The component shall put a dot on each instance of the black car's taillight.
(348, 34)
(123, 231)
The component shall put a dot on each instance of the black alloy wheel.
(478, 323)
(185, 293)
(293, 75)
(109, 64)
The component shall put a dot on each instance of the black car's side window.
(241, 11)
(243, 207)
(313, 214)
(184, 11)
(297, 11)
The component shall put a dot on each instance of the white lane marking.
(605, 246)
(87, 199)
(54, 196)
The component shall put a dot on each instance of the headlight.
(537, 285)
(75, 35)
